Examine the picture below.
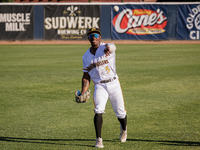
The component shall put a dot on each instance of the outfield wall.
(71, 21)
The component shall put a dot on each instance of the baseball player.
(99, 65)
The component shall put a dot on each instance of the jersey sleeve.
(84, 65)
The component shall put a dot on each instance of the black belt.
(106, 81)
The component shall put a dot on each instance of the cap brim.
(96, 31)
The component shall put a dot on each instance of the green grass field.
(161, 88)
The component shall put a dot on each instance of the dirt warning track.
(106, 41)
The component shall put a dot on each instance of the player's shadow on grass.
(60, 141)
(166, 142)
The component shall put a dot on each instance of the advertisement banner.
(16, 22)
(70, 22)
(188, 22)
(139, 22)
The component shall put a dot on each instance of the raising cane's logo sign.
(140, 22)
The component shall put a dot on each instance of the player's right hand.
(107, 50)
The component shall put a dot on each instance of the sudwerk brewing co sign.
(70, 22)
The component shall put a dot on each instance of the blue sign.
(188, 22)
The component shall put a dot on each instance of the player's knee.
(98, 111)
(121, 115)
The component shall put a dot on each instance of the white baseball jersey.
(99, 66)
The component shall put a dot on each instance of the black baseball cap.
(94, 30)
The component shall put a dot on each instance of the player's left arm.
(110, 47)
(85, 82)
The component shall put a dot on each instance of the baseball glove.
(79, 98)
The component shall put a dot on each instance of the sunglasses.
(93, 35)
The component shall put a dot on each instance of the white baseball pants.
(111, 90)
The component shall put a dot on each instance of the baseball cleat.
(123, 134)
(99, 143)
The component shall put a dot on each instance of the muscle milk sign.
(141, 23)
(70, 22)
(15, 21)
